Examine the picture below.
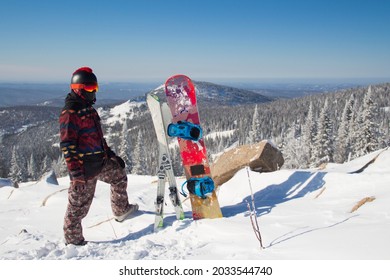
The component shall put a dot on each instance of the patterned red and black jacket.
(82, 140)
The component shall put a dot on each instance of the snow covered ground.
(303, 215)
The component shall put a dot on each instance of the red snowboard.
(181, 99)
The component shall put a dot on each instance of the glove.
(119, 160)
(110, 153)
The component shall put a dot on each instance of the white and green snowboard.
(165, 171)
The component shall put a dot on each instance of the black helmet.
(84, 83)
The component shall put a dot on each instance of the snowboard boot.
(185, 130)
(81, 243)
(121, 218)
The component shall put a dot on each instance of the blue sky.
(145, 40)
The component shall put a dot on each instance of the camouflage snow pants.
(80, 199)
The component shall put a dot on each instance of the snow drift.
(303, 214)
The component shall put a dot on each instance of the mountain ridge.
(210, 94)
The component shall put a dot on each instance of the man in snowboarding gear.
(88, 157)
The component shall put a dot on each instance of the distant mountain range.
(21, 116)
(15, 94)
(210, 94)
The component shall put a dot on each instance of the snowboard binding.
(201, 187)
(185, 130)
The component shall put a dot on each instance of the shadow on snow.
(296, 186)
(168, 222)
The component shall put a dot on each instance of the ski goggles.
(93, 87)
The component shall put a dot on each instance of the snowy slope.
(125, 111)
(303, 214)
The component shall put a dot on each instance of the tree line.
(311, 130)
